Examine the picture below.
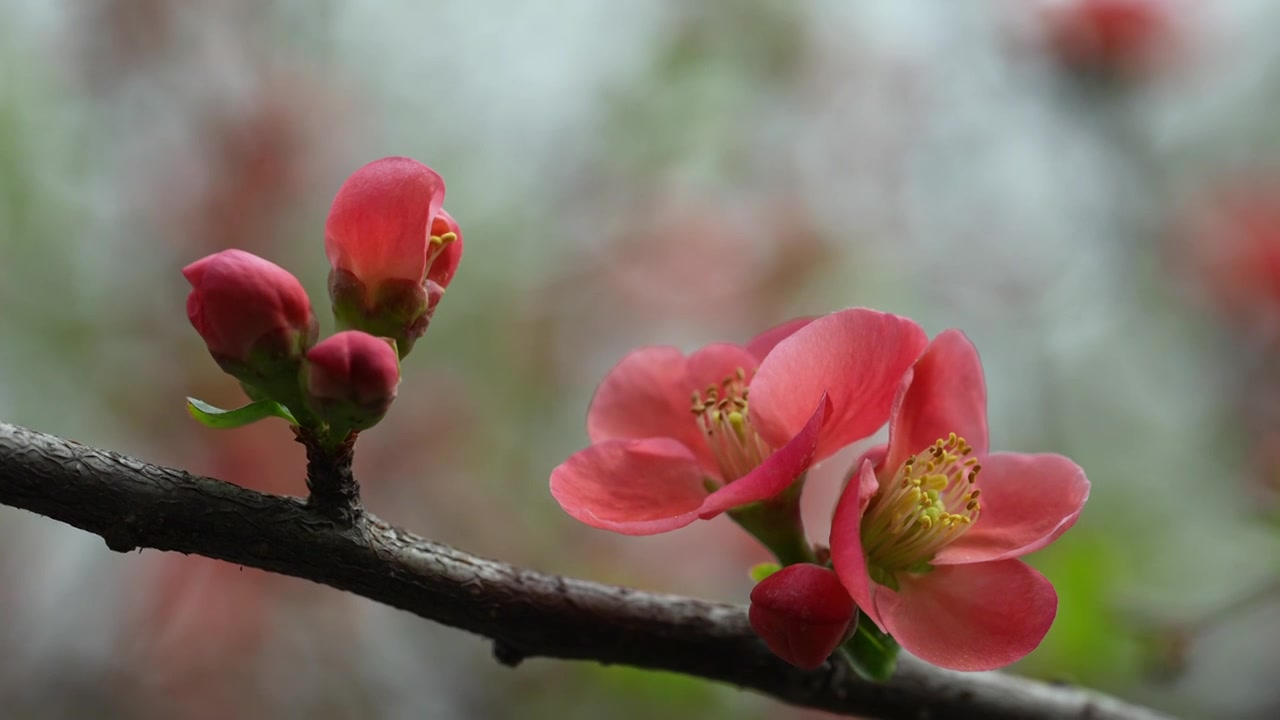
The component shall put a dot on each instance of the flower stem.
(777, 524)
(334, 490)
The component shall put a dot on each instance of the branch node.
(507, 654)
(120, 539)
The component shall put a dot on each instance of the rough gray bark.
(132, 504)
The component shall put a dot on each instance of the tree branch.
(132, 504)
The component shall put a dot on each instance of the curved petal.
(633, 487)
(847, 555)
(1027, 502)
(970, 617)
(773, 475)
(856, 356)
(761, 344)
(875, 456)
(379, 221)
(647, 395)
(946, 393)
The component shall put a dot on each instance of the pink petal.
(856, 356)
(633, 487)
(944, 394)
(773, 475)
(970, 617)
(647, 395)
(718, 361)
(761, 344)
(379, 221)
(875, 456)
(1027, 502)
(847, 555)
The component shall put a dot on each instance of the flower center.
(929, 503)
(721, 413)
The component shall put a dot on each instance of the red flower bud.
(392, 248)
(248, 310)
(381, 221)
(352, 378)
(803, 613)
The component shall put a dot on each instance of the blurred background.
(1089, 188)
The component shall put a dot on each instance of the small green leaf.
(220, 419)
(764, 570)
(872, 653)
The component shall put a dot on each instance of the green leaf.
(764, 570)
(220, 419)
(872, 653)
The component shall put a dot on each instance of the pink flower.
(242, 305)
(802, 613)
(352, 378)
(1233, 246)
(925, 537)
(380, 224)
(658, 463)
(1118, 38)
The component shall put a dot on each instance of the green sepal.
(777, 524)
(871, 653)
(220, 419)
(763, 570)
(883, 577)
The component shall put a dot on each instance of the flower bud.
(351, 379)
(253, 315)
(392, 249)
(802, 613)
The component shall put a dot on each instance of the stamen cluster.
(721, 413)
(929, 503)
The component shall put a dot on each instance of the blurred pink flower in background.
(926, 537)
(1231, 247)
(196, 625)
(1121, 39)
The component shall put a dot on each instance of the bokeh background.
(1089, 188)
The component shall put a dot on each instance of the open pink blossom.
(925, 536)
(677, 437)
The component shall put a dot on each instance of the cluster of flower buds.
(393, 250)
(925, 540)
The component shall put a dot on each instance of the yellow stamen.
(928, 504)
(722, 414)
